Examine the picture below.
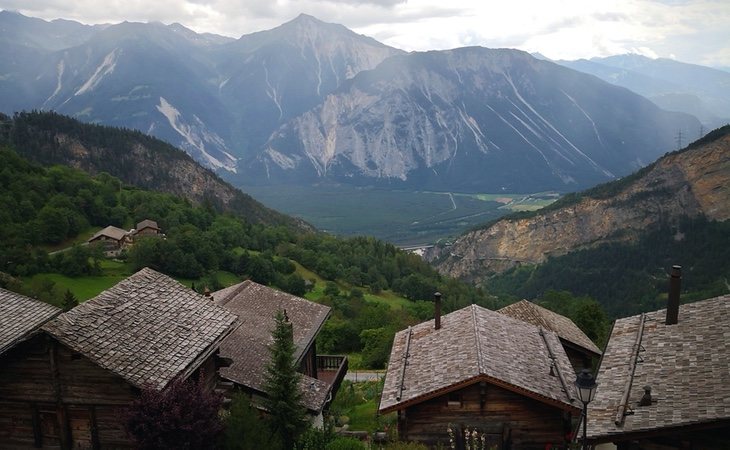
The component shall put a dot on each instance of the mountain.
(270, 77)
(134, 158)
(471, 119)
(688, 183)
(214, 97)
(675, 86)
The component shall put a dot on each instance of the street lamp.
(586, 386)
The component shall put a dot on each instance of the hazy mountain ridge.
(689, 183)
(215, 97)
(470, 119)
(311, 101)
(672, 85)
(134, 158)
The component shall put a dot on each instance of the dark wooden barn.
(476, 369)
(684, 363)
(66, 382)
(248, 346)
(581, 351)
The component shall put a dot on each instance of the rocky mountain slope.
(472, 119)
(691, 182)
(672, 85)
(214, 97)
(134, 158)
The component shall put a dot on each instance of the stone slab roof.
(687, 366)
(147, 223)
(111, 232)
(476, 344)
(248, 345)
(542, 317)
(21, 317)
(148, 329)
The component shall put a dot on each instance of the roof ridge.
(633, 361)
(554, 363)
(476, 338)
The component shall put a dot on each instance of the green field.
(405, 218)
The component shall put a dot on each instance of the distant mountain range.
(694, 182)
(311, 101)
(675, 86)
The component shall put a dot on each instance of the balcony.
(332, 369)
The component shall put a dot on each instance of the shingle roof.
(148, 329)
(475, 343)
(687, 366)
(542, 317)
(248, 346)
(110, 231)
(20, 317)
(147, 223)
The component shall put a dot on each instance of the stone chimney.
(437, 310)
(675, 284)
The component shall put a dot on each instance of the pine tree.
(69, 301)
(284, 402)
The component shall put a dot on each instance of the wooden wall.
(505, 417)
(52, 397)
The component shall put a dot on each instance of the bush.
(182, 416)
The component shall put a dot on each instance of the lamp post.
(586, 386)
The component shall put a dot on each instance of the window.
(454, 400)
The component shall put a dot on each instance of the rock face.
(217, 98)
(472, 119)
(690, 182)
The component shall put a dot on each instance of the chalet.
(479, 369)
(662, 383)
(65, 382)
(112, 239)
(248, 345)
(580, 349)
(147, 227)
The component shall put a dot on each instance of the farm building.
(580, 349)
(65, 382)
(112, 239)
(248, 345)
(476, 369)
(662, 383)
(147, 227)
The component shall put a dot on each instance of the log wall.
(55, 398)
(507, 419)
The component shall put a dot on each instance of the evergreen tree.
(284, 402)
(69, 301)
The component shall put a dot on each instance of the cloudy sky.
(695, 31)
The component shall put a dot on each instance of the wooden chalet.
(66, 382)
(248, 346)
(147, 227)
(685, 366)
(580, 349)
(479, 369)
(111, 238)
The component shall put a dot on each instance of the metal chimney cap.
(437, 295)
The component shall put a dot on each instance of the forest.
(628, 278)
(58, 207)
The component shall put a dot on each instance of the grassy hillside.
(373, 288)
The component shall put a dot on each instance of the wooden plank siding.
(505, 417)
(52, 397)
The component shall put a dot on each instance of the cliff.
(691, 182)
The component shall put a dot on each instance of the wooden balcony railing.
(332, 369)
